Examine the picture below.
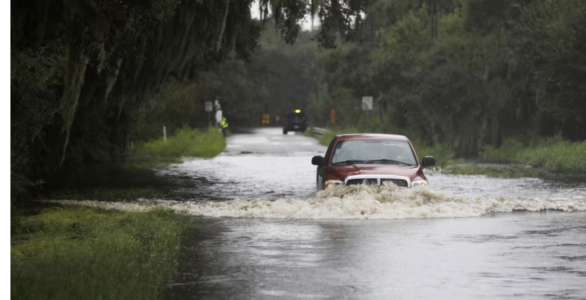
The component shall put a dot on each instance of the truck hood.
(375, 169)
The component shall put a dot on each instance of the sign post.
(209, 107)
(367, 105)
(333, 116)
(218, 112)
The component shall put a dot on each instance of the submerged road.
(266, 234)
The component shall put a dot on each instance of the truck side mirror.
(428, 161)
(318, 161)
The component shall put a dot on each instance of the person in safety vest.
(224, 126)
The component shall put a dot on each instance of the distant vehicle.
(371, 159)
(295, 121)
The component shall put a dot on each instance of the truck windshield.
(373, 151)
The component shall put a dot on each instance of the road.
(294, 244)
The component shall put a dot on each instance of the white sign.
(209, 106)
(218, 116)
(367, 103)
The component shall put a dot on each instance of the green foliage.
(186, 142)
(559, 157)
(35, 85)
(309, 132)
(551, 40)
(90, 78)
(498, 171)
(86, 253)
(553, 155)
(496, 69)
(82, 72)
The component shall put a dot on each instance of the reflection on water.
(501, 256)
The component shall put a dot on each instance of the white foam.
(353, 202)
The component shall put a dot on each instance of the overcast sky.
(305, 24)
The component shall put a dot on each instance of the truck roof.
(371, 136)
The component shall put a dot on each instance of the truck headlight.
(330, 183)
(418, 183)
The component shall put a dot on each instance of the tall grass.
(86, 253)
(553, 154)
(185, 142)
(557, 157)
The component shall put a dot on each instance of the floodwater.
(263, 232)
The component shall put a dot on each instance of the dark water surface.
(509, 255)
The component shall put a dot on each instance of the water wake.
(353, 202)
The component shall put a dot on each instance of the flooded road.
(263, 232)
(283, 253)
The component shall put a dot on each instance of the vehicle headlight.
(418, 183)
(330, 183)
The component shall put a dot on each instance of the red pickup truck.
(371, 159)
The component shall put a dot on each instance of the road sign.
(208, 105)
(367, 103)
(333, 116)
(266, 119)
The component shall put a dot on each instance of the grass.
(308, 132)
(559, 157)
(75, 252)
(185, 142)
(107, 193)
(552, 155)
(492, 170)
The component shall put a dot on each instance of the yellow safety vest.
(224, 124)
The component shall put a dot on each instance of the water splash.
(353, 202)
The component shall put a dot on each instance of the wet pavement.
(263, 233)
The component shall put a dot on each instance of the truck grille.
(369, 181)
(398, 182)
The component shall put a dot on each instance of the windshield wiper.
(351, 162)
(389, 161)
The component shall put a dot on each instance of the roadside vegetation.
(76, 252)
(106, 193)
(186, 142)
